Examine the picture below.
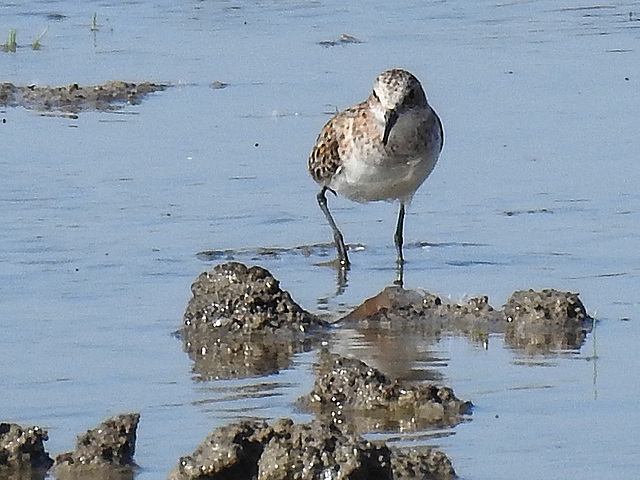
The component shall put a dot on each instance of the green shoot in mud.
(11, 44)
(36, 44)
(94, 22)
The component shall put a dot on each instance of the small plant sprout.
(36, 44)
(11, 44)
(94, 22)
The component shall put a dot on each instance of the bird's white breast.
(371, 171)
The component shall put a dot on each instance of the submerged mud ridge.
(105, 452)
(307, 451)
(240, 323)
(73, 99)
(348, 391)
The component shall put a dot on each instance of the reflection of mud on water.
(307, 451)
(348, 391)
(73, 98)
(321, 250)
(240, 323)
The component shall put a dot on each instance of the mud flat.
(240, 323)
(73, 99)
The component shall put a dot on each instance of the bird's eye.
(412, 95)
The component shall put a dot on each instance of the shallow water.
(104, 215)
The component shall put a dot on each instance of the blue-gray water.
(103, 216)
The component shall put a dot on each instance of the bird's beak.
(390, 117)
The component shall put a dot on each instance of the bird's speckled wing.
(325, 158)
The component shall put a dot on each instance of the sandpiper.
(381, 149)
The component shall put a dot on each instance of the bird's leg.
(398, 241)
(337, 236)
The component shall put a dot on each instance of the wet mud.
(546, 320)
(22, 452)
(73, 99)
(105, 452)
(285, 450)
(534, 321)
(240, 323)
(349, 392)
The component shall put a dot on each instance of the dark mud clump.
(73, 99)
(423, 463)
(235, 298)
(240, 323)
(418, 313)
(230, 451)
(546, 320)
(350, 392)
(533, 320)
(22, 453)
(104, 452)
(254, 450)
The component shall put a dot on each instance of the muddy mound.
(234, 298)
(308, 451)
(546, 320)
(425, 314)
(22, 453)
(421, 463)
(349, 391)
(73, 99)
(240, 323)
(105, 451)
(533, 320)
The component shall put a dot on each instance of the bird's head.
(395, 91)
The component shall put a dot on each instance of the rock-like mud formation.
(22, 452)
(348, 391)
(424, 314)
(103, 452)
(72, 99)
(240, 323)
(536, 321)
(308, 451)
(544, 320)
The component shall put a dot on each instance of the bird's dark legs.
(337, 236)
(398, 241)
